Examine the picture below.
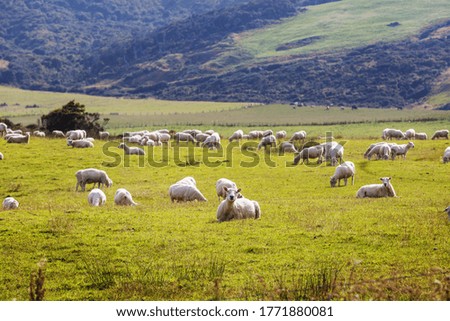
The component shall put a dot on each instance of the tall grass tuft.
(36, 289)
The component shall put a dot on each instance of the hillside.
(377, 53)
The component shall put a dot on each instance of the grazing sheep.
(185, 190)
(92, 175)
(287, 147)
(366, 153)
(448, 211)
(237, 135)
(38, 133)
(421, 136)
(19, 139)
(103, 135)
(209, 131)
(96, 197)
(164, 138)
(220, 184)
(384, 133)
(281, 134)
(394, 133)
(401, 150)
(3, 128)
(385, 151)
(343, 171)
(200, 138)
(58, 134)
(377, 190)
(184, 137)
(267, 141)
(410, 134)
(446, 157)
(10, 203)
(233, 207)
(255, 134)
(81, 143)
(213, 141)
(131, 150)
(123, 197)
(332, 151)
(1, 156)
(300, 135)
(443, 133)
(267, 132)
(380, 150)
(309, 152)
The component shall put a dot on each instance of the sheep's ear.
(225, 189)
(390, 178)
(238, 190)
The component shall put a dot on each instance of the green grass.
(312, 242)
(365, 20)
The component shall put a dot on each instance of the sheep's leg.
(345, 181)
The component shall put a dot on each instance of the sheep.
(377, 190)
(384, 133)
(394, 133)
(309, 152)
(421, 136)
(221, 183)
(332, 151)
(134, 139)
(19, 139)
(237, 135)
(267, 141)
(281, 134)
(443, 133)
(201, 137)
(164, 138)
(123, 197)
(76, 134)
(385, 151)
(343, 171)
(300, 135)
(287, 147)
(233, 207)
(401, 150)
(81, 143)
(3, 129)
(267, 132)
(446, 157)
(185, 191)
(92, 175)
(381, 150)
(212, 141)
(410, 134)
(10, 203)
(184, 137)
(255, 134)
(58, 134)
(1, 156)
(103, 135)
(448, 211)
(96, 197)
(366, 153)
(209, 131)
(131, 150)
(38, 133)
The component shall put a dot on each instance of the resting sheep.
(10, 203)
(237, 135)
(309, 152)
(123, 197)
(343, 171)
(185, 190)
(92, 175)
(81, 143)
(255, 134)
(19, 139)
(446, 157)
(377, 190)
(131, 150)
(224, 182)
(234, 208)
(443, 133)
(3, 128)
(401, 150)
(96, 197)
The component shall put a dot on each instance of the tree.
(71, 116)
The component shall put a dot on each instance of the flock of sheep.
(233, 205)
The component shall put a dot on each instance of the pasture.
(312, 242)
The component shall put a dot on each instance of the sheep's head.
(411, 145)
(386, 181)
(121, 145)
(333, 181)
(232, 194)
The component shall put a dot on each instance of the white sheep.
(410, 134)
(58, 134)
(332, 151)
(164, 138)
(443, 133)
(19, 139)
(213, 141)
(421, 136)
(255, 134)
(385, 151)
(267, 132)
(220, 184)
(300, 135)
(103, 135)
(201, 137)
(1, 156)
(123, 197)
(343, 171)
(10, 203)
(38, 133)
(184, 137)
(80, 143)
(234, 207)
(96, 197)
(287, 147)
(237, 135)
(446, 157)
(92, 175)
(209, 131)
(308, 153)
(3, 128)
(185, 190)
(131, 150)
(267, 141)
(281, 134)
(401, 150)
(380, 150)
(369, 149)
(377, 190)
(394, 133)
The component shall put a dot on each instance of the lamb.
(410, 133)
(281, 134)
(300, 135)
(443, 133)
(3, 128)
(237, 135)
(309, 152)
(401, 150)
(224, 182)
(19, 139)
(343, 171)
(96, 197)
(446, 157)
(267, 141)
(10, 203)
(92, 175)
(185, 190)
(421, 136)
(287, 147)
(233, 207)
(131, 150)
(377, 190)
(81, 143)
(123, 197)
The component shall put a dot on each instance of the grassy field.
(365, 20)
(311, 243)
